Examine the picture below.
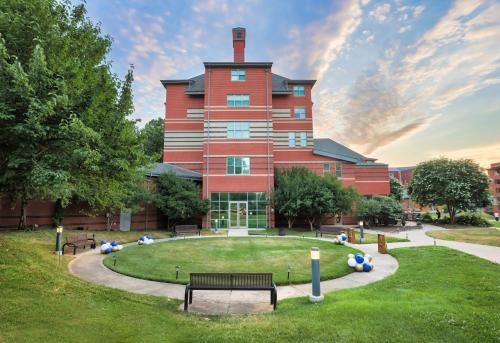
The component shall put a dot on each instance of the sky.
(400, 81)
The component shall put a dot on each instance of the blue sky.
(402, 81)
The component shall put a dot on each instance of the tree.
(152, 138)
(397, 189)
(378, 210)
(179, 199)
(458, 184)
(64, 127)
(342, 199)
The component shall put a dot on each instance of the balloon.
(367, 267)
(108, 250)
(140, 242)
(359, 267)
(336, 241)
(114, 243)
(114, 248)
(120, 247)
(359, 258)
(351, 262)
(142, 238)
(350, 255)
(344, 237)
(104, 242)
(368, 257)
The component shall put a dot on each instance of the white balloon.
(350, 255)
(351, 262)
(368, 257)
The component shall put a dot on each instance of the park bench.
(186, 230)
(79, 241)
(329, 230)
(230, 281)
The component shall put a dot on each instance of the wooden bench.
(329, 230)
(186, 229)
(230, 281)
(79, 241)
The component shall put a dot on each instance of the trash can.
(281, 231)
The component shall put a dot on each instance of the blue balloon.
(108, 250)
(359, 258)
(149, 236)
(104, 242)
(344, 237)
(367, 267)
(142, 238)
(114, 244)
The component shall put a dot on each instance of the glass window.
(326, 168)
(238, 75)
(238, 165)
(238, 130)
(338, 170)
(300, 112)
(303, 138)
(298, 91)
(238, 100)
(291, 139)
(497, 182)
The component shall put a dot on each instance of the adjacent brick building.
(494, 174)
(237, 122)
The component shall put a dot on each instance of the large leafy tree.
(378, 210)
(397, 189)
(64, 127)
(179, 199)
(458, 184)
(152, 138)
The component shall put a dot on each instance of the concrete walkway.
(88, 266)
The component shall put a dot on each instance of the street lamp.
(316, 295)
(59, 232)
(361, 233)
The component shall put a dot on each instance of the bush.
(472, 219)
(379, 210)
(427, 218)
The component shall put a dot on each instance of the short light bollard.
(361, 232)
(177, 269)
(59, 233)
(316, 295)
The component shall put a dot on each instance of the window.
(326, 168)
(238, 100)
(291, 139)
(497, 181)
(238, 75)
(298, 91)
(303, 138)
(338, 170)
(238, 34)
(300, 112)
(238, 130)
(238, 165)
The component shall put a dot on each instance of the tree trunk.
(22, 217)
(109, 219)
(452, 212)
(311, 223)
(290, 221)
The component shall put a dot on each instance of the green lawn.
(485, 236)
(157, 262)
(437, 295)
(369, 237)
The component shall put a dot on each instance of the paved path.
(88, 266)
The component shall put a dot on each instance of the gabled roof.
(163, 168)
(196, 85)
(401, 168)
(329, 148)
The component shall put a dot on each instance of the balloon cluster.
(340, 239)
(148, 239)
(107, 247)
(360, 263)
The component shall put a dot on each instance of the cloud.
(418, 10)
(483, 155)
(318, 44)
(380, 12)
(404, 29)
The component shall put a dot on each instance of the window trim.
(292, 140)
(234, 165)
(295, 112)
(231, 131)
(303, 90)
(234, 100)
(301, 138)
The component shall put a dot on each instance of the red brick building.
(494, 174)
(237, 122)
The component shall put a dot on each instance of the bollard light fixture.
(59, 232)
(315, 254)
(316, 295)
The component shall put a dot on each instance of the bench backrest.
(231, 280)
(77, 238)
(337, 229)
(186, 227)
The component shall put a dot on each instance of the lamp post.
(316, 295)
(216, 225)
(361, 233)
(58, 240)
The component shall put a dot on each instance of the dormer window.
(238, 75)
(298, 91)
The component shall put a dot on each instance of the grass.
(369, 237)
(437, 295)
(157, 262)
(485, 236)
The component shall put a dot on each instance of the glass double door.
(238, 214)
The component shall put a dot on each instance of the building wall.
(494, 174)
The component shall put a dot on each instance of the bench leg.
(190, 296)
(275, 299)
(186, 299)
(74, 250)
(272, 296)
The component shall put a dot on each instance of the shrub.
(427, 218)
(472, 219)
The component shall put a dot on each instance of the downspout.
(268, 157)
(208, 140)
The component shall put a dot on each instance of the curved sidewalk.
(89, 266)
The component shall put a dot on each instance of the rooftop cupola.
(239, 34)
